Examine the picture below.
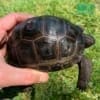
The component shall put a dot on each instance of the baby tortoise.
(49, 43)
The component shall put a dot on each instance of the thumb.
(12, 76)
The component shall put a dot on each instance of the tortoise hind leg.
(84, 73)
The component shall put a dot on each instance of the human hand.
(10, 75)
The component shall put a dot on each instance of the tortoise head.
(88, 40)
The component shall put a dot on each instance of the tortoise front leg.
(84, 73)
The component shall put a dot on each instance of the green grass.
(62, 84)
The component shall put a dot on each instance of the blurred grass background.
(62, 84)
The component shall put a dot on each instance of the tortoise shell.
(46, 43)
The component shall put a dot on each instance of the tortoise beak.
(89, 40)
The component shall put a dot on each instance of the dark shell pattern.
(45, 43)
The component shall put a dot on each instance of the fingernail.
(43, 78)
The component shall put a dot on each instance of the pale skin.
(10, 75)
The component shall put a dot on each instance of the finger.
(3, 52)
(7, 22)
(16, 76)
